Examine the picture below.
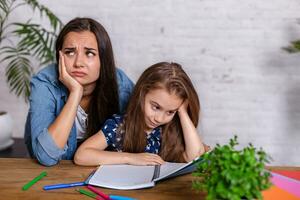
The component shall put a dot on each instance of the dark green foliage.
(294, 47)
(227, 173)
(33, 42)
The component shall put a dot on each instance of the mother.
(71, 100)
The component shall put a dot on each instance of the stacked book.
(286, 185)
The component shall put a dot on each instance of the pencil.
(87, 193)
(104, 196)
(33, 181)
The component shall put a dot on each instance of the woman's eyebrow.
(70, 48)
(90, 49)
(74, 48)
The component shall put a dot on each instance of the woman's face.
(160, 107)
(81, 56)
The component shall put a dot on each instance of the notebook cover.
(276, 193)
(289, 173)
(288, 184)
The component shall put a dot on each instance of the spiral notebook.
(129, 177)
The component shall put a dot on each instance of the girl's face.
(160, 107)
(81, 56)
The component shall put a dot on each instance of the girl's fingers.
(152, 159)
(153, 163)
(206, 147)
(157, 159)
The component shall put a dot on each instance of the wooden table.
(16, 172)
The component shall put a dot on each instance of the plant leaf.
(37, 40)
(54, 21)
(18, 70)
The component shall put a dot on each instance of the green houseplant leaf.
(18, 70)
(228, 173)
(33, 42)
(294, 47)
(37, 40)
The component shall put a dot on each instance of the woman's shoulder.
(47, 74)
(48, 78)
(123, 79)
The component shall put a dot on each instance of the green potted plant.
(228, 173)
(22, 43)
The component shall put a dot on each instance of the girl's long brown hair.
(105, 97)
(171, 77)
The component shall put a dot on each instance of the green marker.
(33, 181)
(87, 193)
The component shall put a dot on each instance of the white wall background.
(230, 48)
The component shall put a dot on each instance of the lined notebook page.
(123, 177)
(169, 168)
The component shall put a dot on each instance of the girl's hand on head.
(145, 159)
(66, 78)
(183, 107)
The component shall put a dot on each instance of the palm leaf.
(37, 40)
(4, 10)
(54, 21)
(294, 47)
(18, 70)
(34, 41)
(4, 7)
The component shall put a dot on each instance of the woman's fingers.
(60, 64)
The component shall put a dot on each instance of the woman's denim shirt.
(47, 99)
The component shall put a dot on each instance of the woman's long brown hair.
(171, 77)
(105, 97)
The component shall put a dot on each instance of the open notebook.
(128, 177)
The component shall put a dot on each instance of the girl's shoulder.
(113, 122)
(117, 118)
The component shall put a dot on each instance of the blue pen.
(64, 185)
(115, 197)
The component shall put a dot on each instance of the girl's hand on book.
(145, 159)
(206, 147)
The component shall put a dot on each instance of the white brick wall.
(232, 50)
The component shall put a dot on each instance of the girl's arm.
(193, 144)
(92, 153)
(61, 127)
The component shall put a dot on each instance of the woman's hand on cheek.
(66, 78)
(145, 159)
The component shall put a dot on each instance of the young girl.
(159, 124)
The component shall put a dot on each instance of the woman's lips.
(78, 74)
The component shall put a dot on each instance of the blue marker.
(64, 185)
(115, 197)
